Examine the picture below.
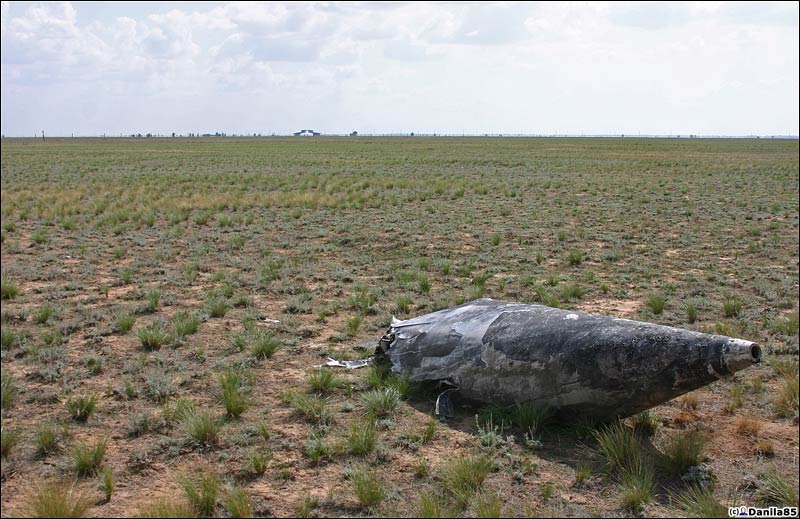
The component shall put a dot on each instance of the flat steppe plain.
(165, 302)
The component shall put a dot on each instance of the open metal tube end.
(738, 354)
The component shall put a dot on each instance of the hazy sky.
(123, 67)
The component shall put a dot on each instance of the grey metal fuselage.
(574, 363)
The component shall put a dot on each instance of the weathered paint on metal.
(574, 363)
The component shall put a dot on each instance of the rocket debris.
(573, 363)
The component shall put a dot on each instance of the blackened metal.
(444, 408)
(574, 363)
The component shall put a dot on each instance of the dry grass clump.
(55, 498)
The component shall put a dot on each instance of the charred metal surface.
(574, 363)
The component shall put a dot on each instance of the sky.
(706, 68)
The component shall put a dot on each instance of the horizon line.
(192, 135)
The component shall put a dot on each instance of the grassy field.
(165, 301)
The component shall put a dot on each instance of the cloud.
(50, 34)
(5, 7)
(270, 48)
(650, 15)
(491, 24)
(502, 66)
(408, 51)
(747, 13)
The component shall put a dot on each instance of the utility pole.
(42, 135)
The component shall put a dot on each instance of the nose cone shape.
(574, 363)
(738, 354)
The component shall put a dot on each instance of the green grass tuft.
(47, 437)
(8, 289)
(306, 506)
(316, 448)
(154, 336)
(8, 390)
(362, 437)
(324, 381)
(201, 488)
(107, 484)
(788, 325)
(530, 417)
(683, 451)
(124, 321)
(381, 402)
(697, 501)
(367, 487)
(237, 502)
(786, 400)
(313, 408)
(8, 439)
(430, 505)
(9, 338)
(261, 343)
(234, 392)
(81, 407)
(575, 258)
(87, 459)
(217, 306)
(55, 498)
(153, 297)
(777, 490)
(645, 424)
(165, 508)
(43, 314)
(637, 487)
(732, 306)
(259, 461)
(619, 446)
(201, 427)
(489, 505)
(184, 324)
(691, 313)
(656, 303)
(464, 476)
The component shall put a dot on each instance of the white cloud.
(569, 67)
(50, 35)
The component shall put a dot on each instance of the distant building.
(306, 133)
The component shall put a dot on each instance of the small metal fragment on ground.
(349, 364)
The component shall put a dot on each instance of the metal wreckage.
(573, 364)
